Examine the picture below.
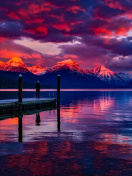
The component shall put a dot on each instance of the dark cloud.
(96, 24)
(41, 19)
(101, 50)
(88, 55)
(9, 49)
(121, 64)
(10, 29)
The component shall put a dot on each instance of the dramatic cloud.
(9, 49)
(102, 29)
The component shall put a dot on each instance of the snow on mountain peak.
(66, 64)
(102, 70)
(104, 73)
(16, 62)
(14, 65)
(37, 70)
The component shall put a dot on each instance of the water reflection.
(38, 119)
(20, 129)
(88, 134)
(58, 116)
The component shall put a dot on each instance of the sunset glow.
(40, 32)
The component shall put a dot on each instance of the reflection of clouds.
(8, 128)
(115, 145)
(116, 139)
(87, 109)
(103, 104)
(8, 123)
(72, 113)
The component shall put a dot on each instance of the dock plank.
(11, 106)
(10, 101)
(26, 100)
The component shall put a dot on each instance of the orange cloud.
(8, 55)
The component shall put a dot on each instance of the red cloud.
(13, 15)
(2, 39)
(35, 21)
(39, 30)
(42, 30)
(9, 54)
(63, 26)
(75, 23)
(54, 16)
(68, 56)
(117, 31)
(123, 31)
(23, 13)
(75, 9)
(114, 4)
(35, 8)
(48, 4)
(100, 30)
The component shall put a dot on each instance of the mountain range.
(72, 75)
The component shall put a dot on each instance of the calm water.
(95, 136)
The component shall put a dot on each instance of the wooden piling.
(20, 88)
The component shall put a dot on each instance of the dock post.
(37, 89)
(20, 89)
(58, 90)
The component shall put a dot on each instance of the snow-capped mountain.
(73, 76)
(14, 65)
(103, 73)
(67, 64)
(37, 70)
(107, 75)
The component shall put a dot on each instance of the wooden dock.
(20, 106)
(12, 106)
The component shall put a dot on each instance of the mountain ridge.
(72, 74)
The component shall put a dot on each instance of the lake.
(94, 137)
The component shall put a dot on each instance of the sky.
(90, 32)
